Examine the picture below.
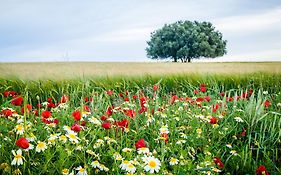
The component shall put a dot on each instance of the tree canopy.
(186, 40)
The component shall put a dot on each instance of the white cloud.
(251, 23)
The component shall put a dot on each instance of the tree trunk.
(175, 59)
(189, 59)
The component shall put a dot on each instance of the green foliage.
(186, 40)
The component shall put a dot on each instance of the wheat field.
(71, 70)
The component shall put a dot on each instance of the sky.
(117, 30)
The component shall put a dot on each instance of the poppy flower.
(7, 112)
(166, 137)
(207, 98)
(103, 117)
(140, 144)
(222, 94)
(87, 108)
(261, 170)
(77, 115)
(174, 98)
(64, 99)
(130, 113)
(135, 97)
(213, 120)
(51, 105)
(109, 92)
(106, 125)
(155, 87)
(75, 127)
(28, 107)
(203, 89)
(46, 114)
(121, 95)
(142, 102)
(126, 99)
(56, 121)
(83, 123)
(267, 103)
(109, 111)
(196, 91)
(218, 162)
(123, 124)
(200, 99)
(35, 112)
(22, 143)
(17, 101)
(215, 107)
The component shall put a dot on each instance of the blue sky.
(117, 30)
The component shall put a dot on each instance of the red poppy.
(155, 87)
(51, 105)
(215, 107)
(9, 93)
(203, 89)
(142, 102)
(109, 111)
(130, 113)
(126, 99)
(103, 117)
(87, 108)
(222, 94)
(196, 91)
(218, 162)
(140, 144)
(261, 170)
(166, 137)
(75, 127)
(22, 143)
(135, 97)
(35, 112)
(174, 98)
(77, 115)
(46, 114)
(122, 124)
(17, 101)
(84, 123)
(28, 107)
(121, 95)
(200, 99)
(56, 121)
(49, 100)
(213, 120)
(109, 92)
(64, 99)
(7, 112)
(106, 125)
(207, 98)
(267, 103)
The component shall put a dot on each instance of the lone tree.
(186, 40)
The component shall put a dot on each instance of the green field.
(72, 70)
(140, 118)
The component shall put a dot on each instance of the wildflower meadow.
(175, 125)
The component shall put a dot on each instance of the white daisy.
(152, 164)
(72, 136)
(94, 121)
(41, 146)
(20, 129)
(95, 164)
(81, 171)
(173, 161)
(164, 129)
(143, 150)
(18, 159)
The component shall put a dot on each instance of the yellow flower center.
(72, 136)
(152, 164)
(19, 127)
(82, 170)
(18, 156)
(41, 145)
